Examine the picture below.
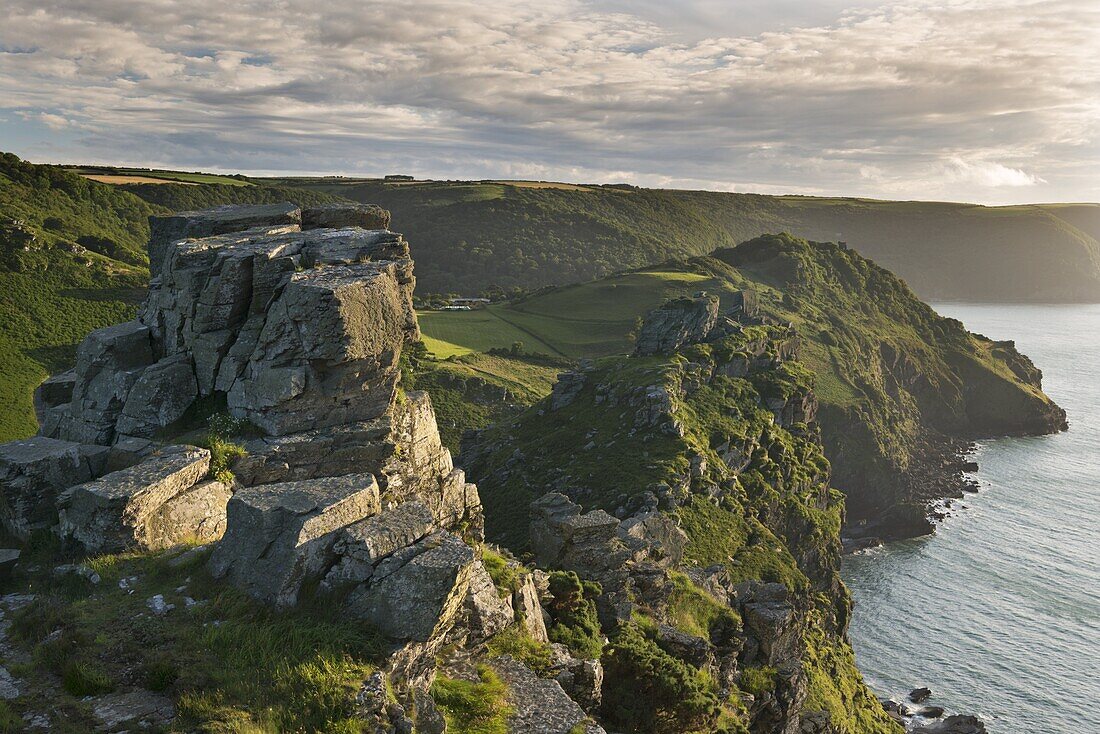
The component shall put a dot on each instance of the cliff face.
(903, 389)
(689, 483)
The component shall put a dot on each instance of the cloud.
(971, 99)
(988, 174)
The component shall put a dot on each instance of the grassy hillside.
(751, 495)
(473, 236)
(898, 383)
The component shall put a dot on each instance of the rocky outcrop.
(34, 471)
(541, 706)
(295, 321)
(417, 593)
(187, 225)
(280, 536)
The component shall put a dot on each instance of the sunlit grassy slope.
(585, 320)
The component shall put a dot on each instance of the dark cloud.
(988, 100)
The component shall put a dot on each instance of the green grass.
(45, 315)
(586, 320)
(230, 663)
(694, 611)
(474, 708)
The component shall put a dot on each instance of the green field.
(585, 320)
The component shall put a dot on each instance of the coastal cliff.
(240, 513)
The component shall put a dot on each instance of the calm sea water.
(999, 611)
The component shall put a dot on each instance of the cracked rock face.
(34, 471)
(133, 507)
(296, 319)
(281, 535)
(677, 323)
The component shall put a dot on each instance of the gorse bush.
(648, 690)
(573, 610)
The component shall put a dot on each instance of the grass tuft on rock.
(474, 707)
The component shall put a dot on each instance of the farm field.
(586, 320)
(120, 176)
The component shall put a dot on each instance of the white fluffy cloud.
(990, 100)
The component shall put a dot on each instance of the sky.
(989, 101)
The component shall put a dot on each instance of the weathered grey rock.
(108, 363)
(327, 353)
(123, 509)
(184, 225)
(486, 612)
(525, 601)
(541, 706)
(281, 535)
(137, 708)
(775, 626)
(677, 323)
(127, 451)
(32, 473)
(564, 537)
(195, 515)
(362, 545)
(953, 725)
(566, 389)
(375, 710)
(417, 594)
(51, 401)
(9, 686)
(582, 680)
(402, 449)
(654, 537)
(689, 648)
(159, 398)
(367, 216)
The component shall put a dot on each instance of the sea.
(998, 612)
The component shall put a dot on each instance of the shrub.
(758, 680)
(648, 690)
(160, 675)
(573, 610)
(515, 641)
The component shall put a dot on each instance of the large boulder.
(487, 613)
(108, 363)
(402, 449)
(541, 706)
(126, 509)
(327, 353)
(34, 471)
(52, 401)
(195, 515)
(189, 225)
(418, 593)
(525, 602)
(279, 536)
(562, 536)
